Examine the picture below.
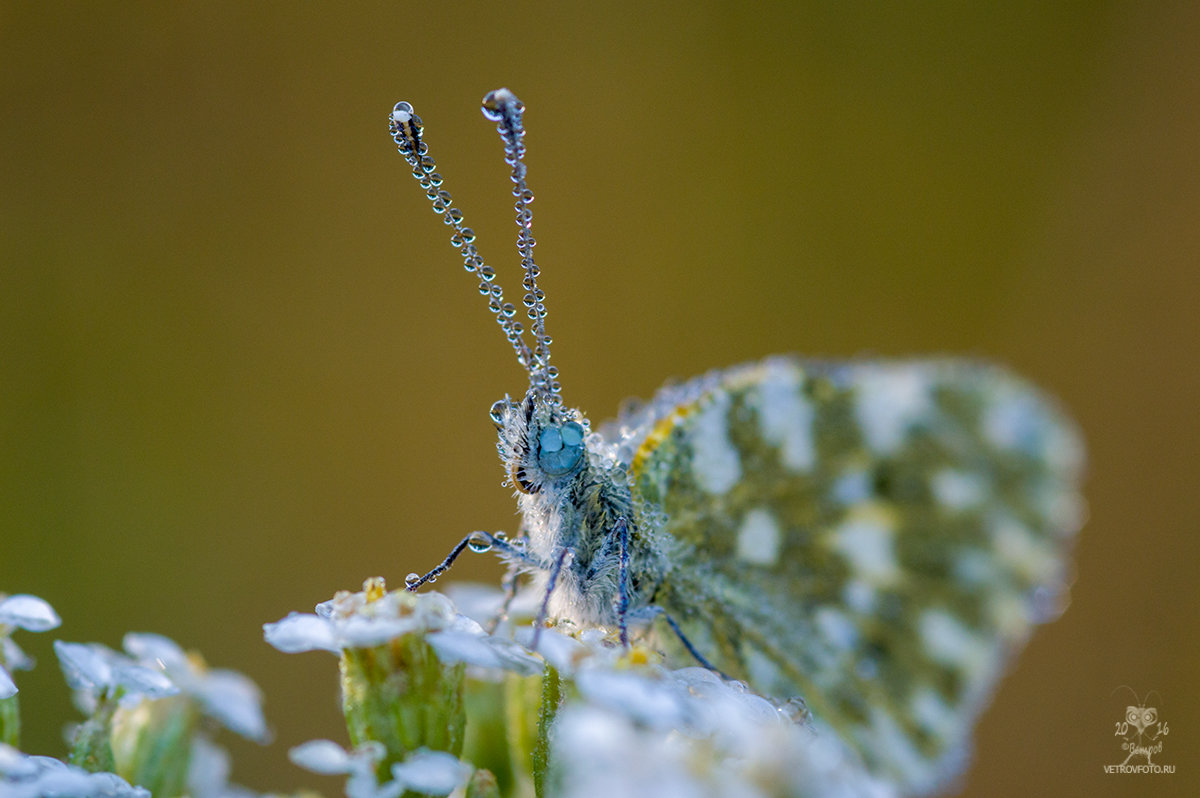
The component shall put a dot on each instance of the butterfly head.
(540, 442)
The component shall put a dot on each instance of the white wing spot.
(958, 490)
(948, 642)
(786, 417)
(837, 629)
(865, 541)
(853, 487)
(889, 400)
(975, 567)
(715, 462)
(759, 538)
(933, 713)
(859, 596)
(1018, 548)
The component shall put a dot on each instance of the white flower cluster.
(626, 726)
(154, 667)
(151, 669)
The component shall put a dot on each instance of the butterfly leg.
(478, 541)
(653, 611)
(555, 570)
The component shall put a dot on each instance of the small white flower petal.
(301, 632)
(149, 648)
(326, 756)
(484, 651)
(28, 612)
(234, 700)
(560, 650)
(321, 756)
(462, 623)
(14, 764)
(657, 703)
(85, 667)
(13, 657)
(208, 771)
(8, 688)
(144, 681)
(431, 772)
(359, 632)
(479, 602)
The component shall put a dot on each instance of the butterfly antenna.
(506, 110)
(503, 108)
(407, 131)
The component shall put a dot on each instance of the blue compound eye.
(560, 448)
(572, 434)
(551, 440)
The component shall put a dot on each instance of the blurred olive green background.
(240, 367)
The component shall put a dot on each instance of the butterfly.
(875, 538)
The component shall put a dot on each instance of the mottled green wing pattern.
(876, 538)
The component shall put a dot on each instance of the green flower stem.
(486, 744)
(152, 743)
(91, 746)
(547, 711)
(401, 695)
(10, 721)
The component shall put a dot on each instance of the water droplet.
(479, 544)
(493, 109)
(499, 411)
(412, 579)
(509, 310)
(500, 537)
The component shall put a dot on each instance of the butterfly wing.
(876, 538)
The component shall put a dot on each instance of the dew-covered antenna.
(503, 108)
